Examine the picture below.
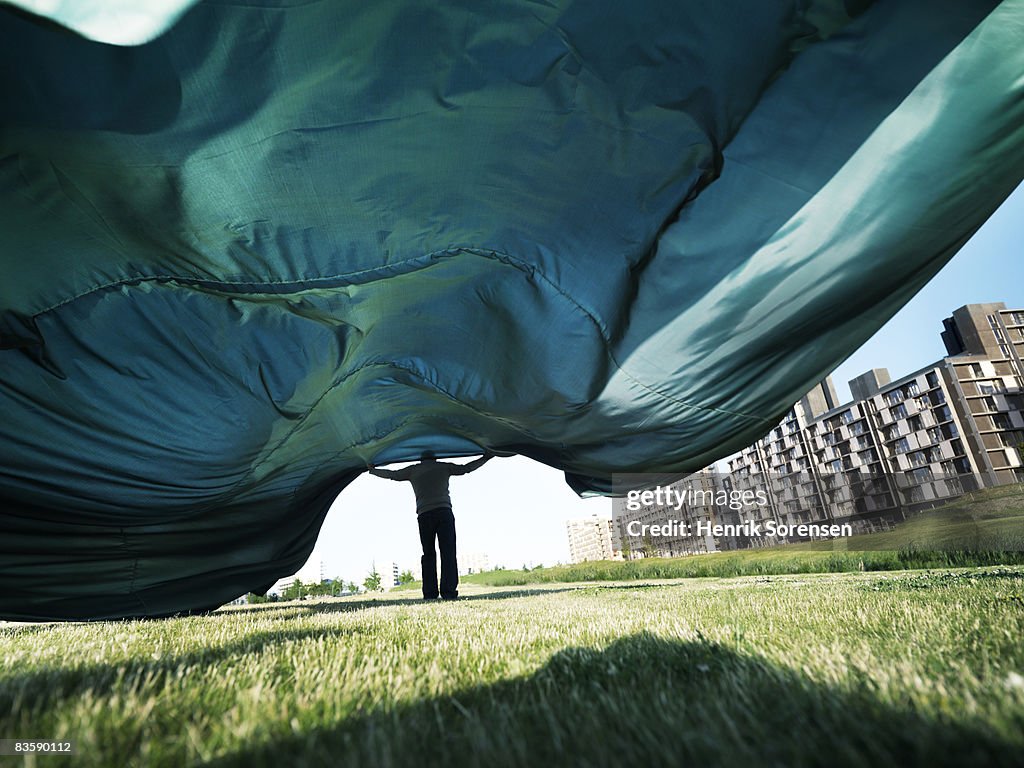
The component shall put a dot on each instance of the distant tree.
(337, 586)
(323, 588)
(352, 588)
(252, 598)
(627, 550)
(406, 577)
(293, 591)
(372, 581)
(649, 548)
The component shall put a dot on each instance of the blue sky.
(990, 267)
(515, 509)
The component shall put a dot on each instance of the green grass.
(982, 529)
(772, 561)
(854, 669)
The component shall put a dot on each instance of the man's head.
(428, 456)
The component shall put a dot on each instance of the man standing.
(429, 480)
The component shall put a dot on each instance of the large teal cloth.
(281, 240)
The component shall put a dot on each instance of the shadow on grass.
(650, 702)
(48, 686)
(44, 687)
(283, 610)
(345, 605)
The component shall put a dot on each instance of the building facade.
(590, 538)
(899, 447)
(474, 562)
(312, 572)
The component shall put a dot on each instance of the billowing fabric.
(285, 239)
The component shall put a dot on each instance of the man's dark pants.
(439, 523)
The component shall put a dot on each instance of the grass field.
(909, 668)
(984, 528)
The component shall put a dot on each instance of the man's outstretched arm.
(389, 474)
(465, 469)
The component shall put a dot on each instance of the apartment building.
(986, 347)
(312, 572)
(693, 499)
(783, 464)
(898, 447)
(590, 538)
(474, 562)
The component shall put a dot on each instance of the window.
(899, 412)
(976, 370)
(902, 446)
(922, 475)
(994, 325)
(933, 379)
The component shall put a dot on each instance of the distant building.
(473, 562)
(590, 538)
(416, 570)
(901, 446)
(698, 494)
(312, 572)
